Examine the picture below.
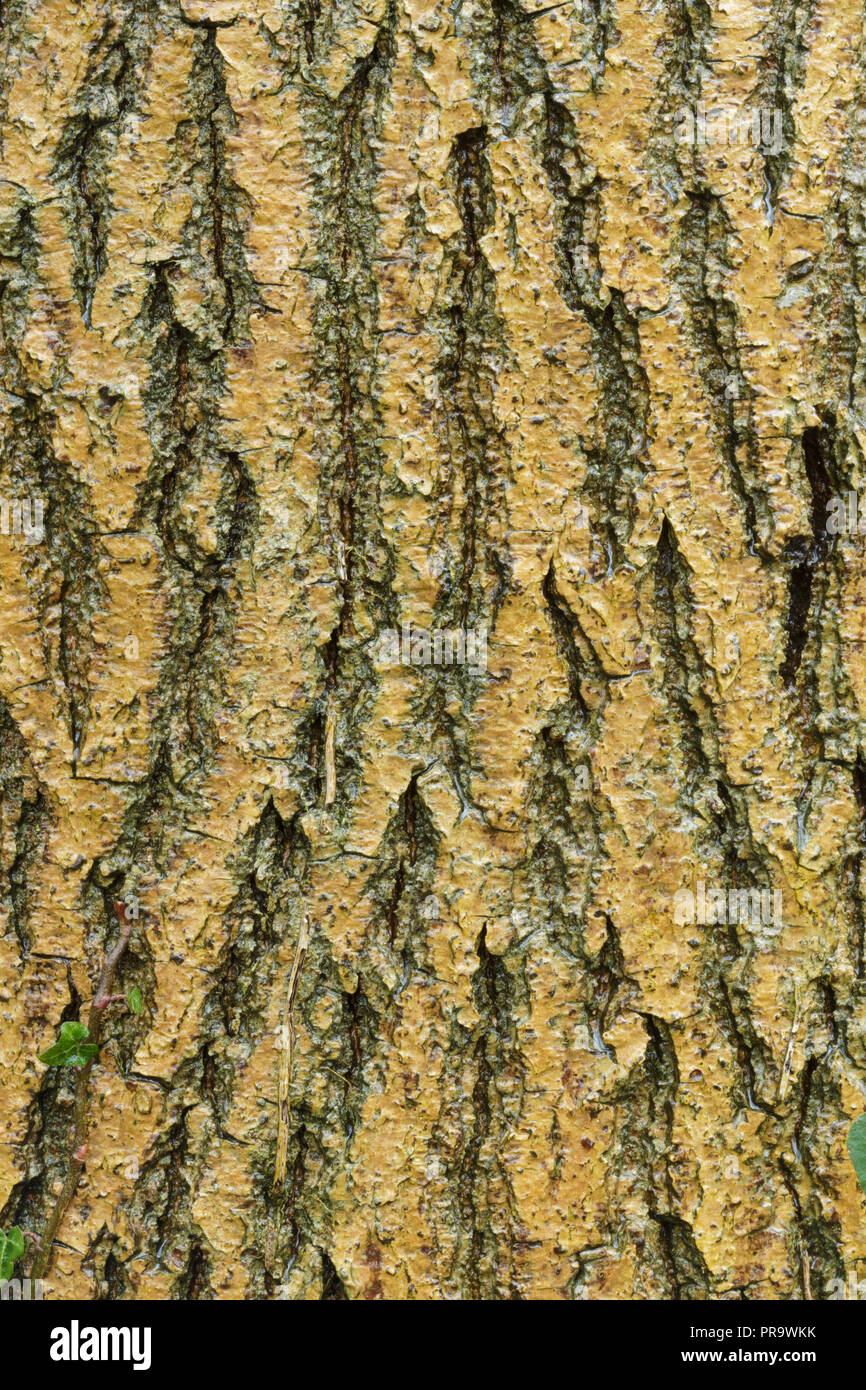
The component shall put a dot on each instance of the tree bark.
(324, 320)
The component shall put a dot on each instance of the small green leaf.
(133, 999)
(11, 1249)
(857, 1148)
(71, 1049)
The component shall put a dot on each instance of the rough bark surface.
(325, 316)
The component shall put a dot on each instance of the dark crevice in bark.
(563, 859)
(617, 463)
(685, 55)
(272, 867)
(310, 12)
(839, 286)
(644, 1156)
(806, 553)
(478, 1259)
(609, 985)
(726, 854)
(194, 1283)
(603, 13)
(401, 881)
(342, 148)
(214, 240)
(360, 1027)
(796, 622)
(569, 820)
(705, 234)
(483, 1186)
(510, 64)
(814, 1241)
(110, 1281)
(449, 732)
(396, 895)
(473, 446)
(782, 71)
(63, 569)
(817, 1113)
(90, 136)
(588, 682)
(307, 763)
(853, 870)
(87, 200)
(687, 41)
(684, 683)
(616, 469)
(753, 1058)
(333, 1289)
(150, 825)
(182, 405)
(470, 180)
(276, 855)
(31, 835)
(159, 1208)
(18, 46)
(689, 1275)
(661, 1064)
(24, 819)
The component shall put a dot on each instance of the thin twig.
(330, 745)
(788, 1063)
(80, 1108)
(804, 1265)
(287, 1055)
(345, 1080)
